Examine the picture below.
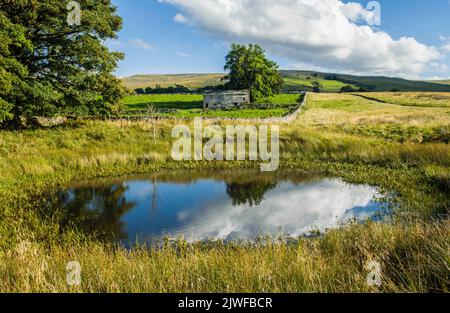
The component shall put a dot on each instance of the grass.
(336, 135)
(177, 102)
(416, 99)
(327, 85)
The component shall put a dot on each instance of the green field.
(188, 106)
(401, 149)
(327, 85)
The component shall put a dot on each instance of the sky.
(409, 38)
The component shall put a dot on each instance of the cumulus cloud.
(141, 44)
(322, 33)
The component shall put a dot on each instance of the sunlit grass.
(418, 99)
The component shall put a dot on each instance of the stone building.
(226, 99)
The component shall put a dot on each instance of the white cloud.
(141, 44)
(183, 54)
(114, 43)
(321, 33)
(355, 12)
(435, 78)
(180, 18)
(439, 67)
(446, 48)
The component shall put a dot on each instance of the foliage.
(249, 68)
(48, 67)
(347, 88)
(177, 89)
(317, 86)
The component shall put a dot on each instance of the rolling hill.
(295, 81)
(187, 80)
(368, 83)
(445, 82)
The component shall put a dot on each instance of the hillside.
(295, 81)
(445, 82)
(369, 83)
(187, 80)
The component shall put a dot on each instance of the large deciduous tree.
(49, 67)
(249, 68)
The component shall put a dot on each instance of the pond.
(226, 206)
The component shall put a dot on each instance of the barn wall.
(227, 99)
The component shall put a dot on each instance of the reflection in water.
(98, 209)
(147, 209)
(251, 193)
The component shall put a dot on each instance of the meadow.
(422, 99)
(402, 149)
(327, 85)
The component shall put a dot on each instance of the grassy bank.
(361, 140)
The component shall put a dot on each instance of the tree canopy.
(249, 68)
(48, 66)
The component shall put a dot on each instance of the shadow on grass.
(167, 105)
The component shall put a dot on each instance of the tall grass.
(413, 259)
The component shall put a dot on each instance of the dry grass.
(412, 260)
(415, 99)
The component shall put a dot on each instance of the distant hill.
(295, 81)
(445, 82)
(167, 80)
(369, 83)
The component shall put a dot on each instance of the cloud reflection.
(288, 209)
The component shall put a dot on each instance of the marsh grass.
(326, 139)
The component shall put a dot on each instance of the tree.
(249, 68)
(251, 193)
(97, 210)
(347, 88)
(48, 67)
(316, 86)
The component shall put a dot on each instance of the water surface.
(228, 206)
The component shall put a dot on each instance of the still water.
(239, 206)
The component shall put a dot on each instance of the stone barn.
(226, 99)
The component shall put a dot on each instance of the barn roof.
(226, 92)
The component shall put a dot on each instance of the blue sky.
(193, 36)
